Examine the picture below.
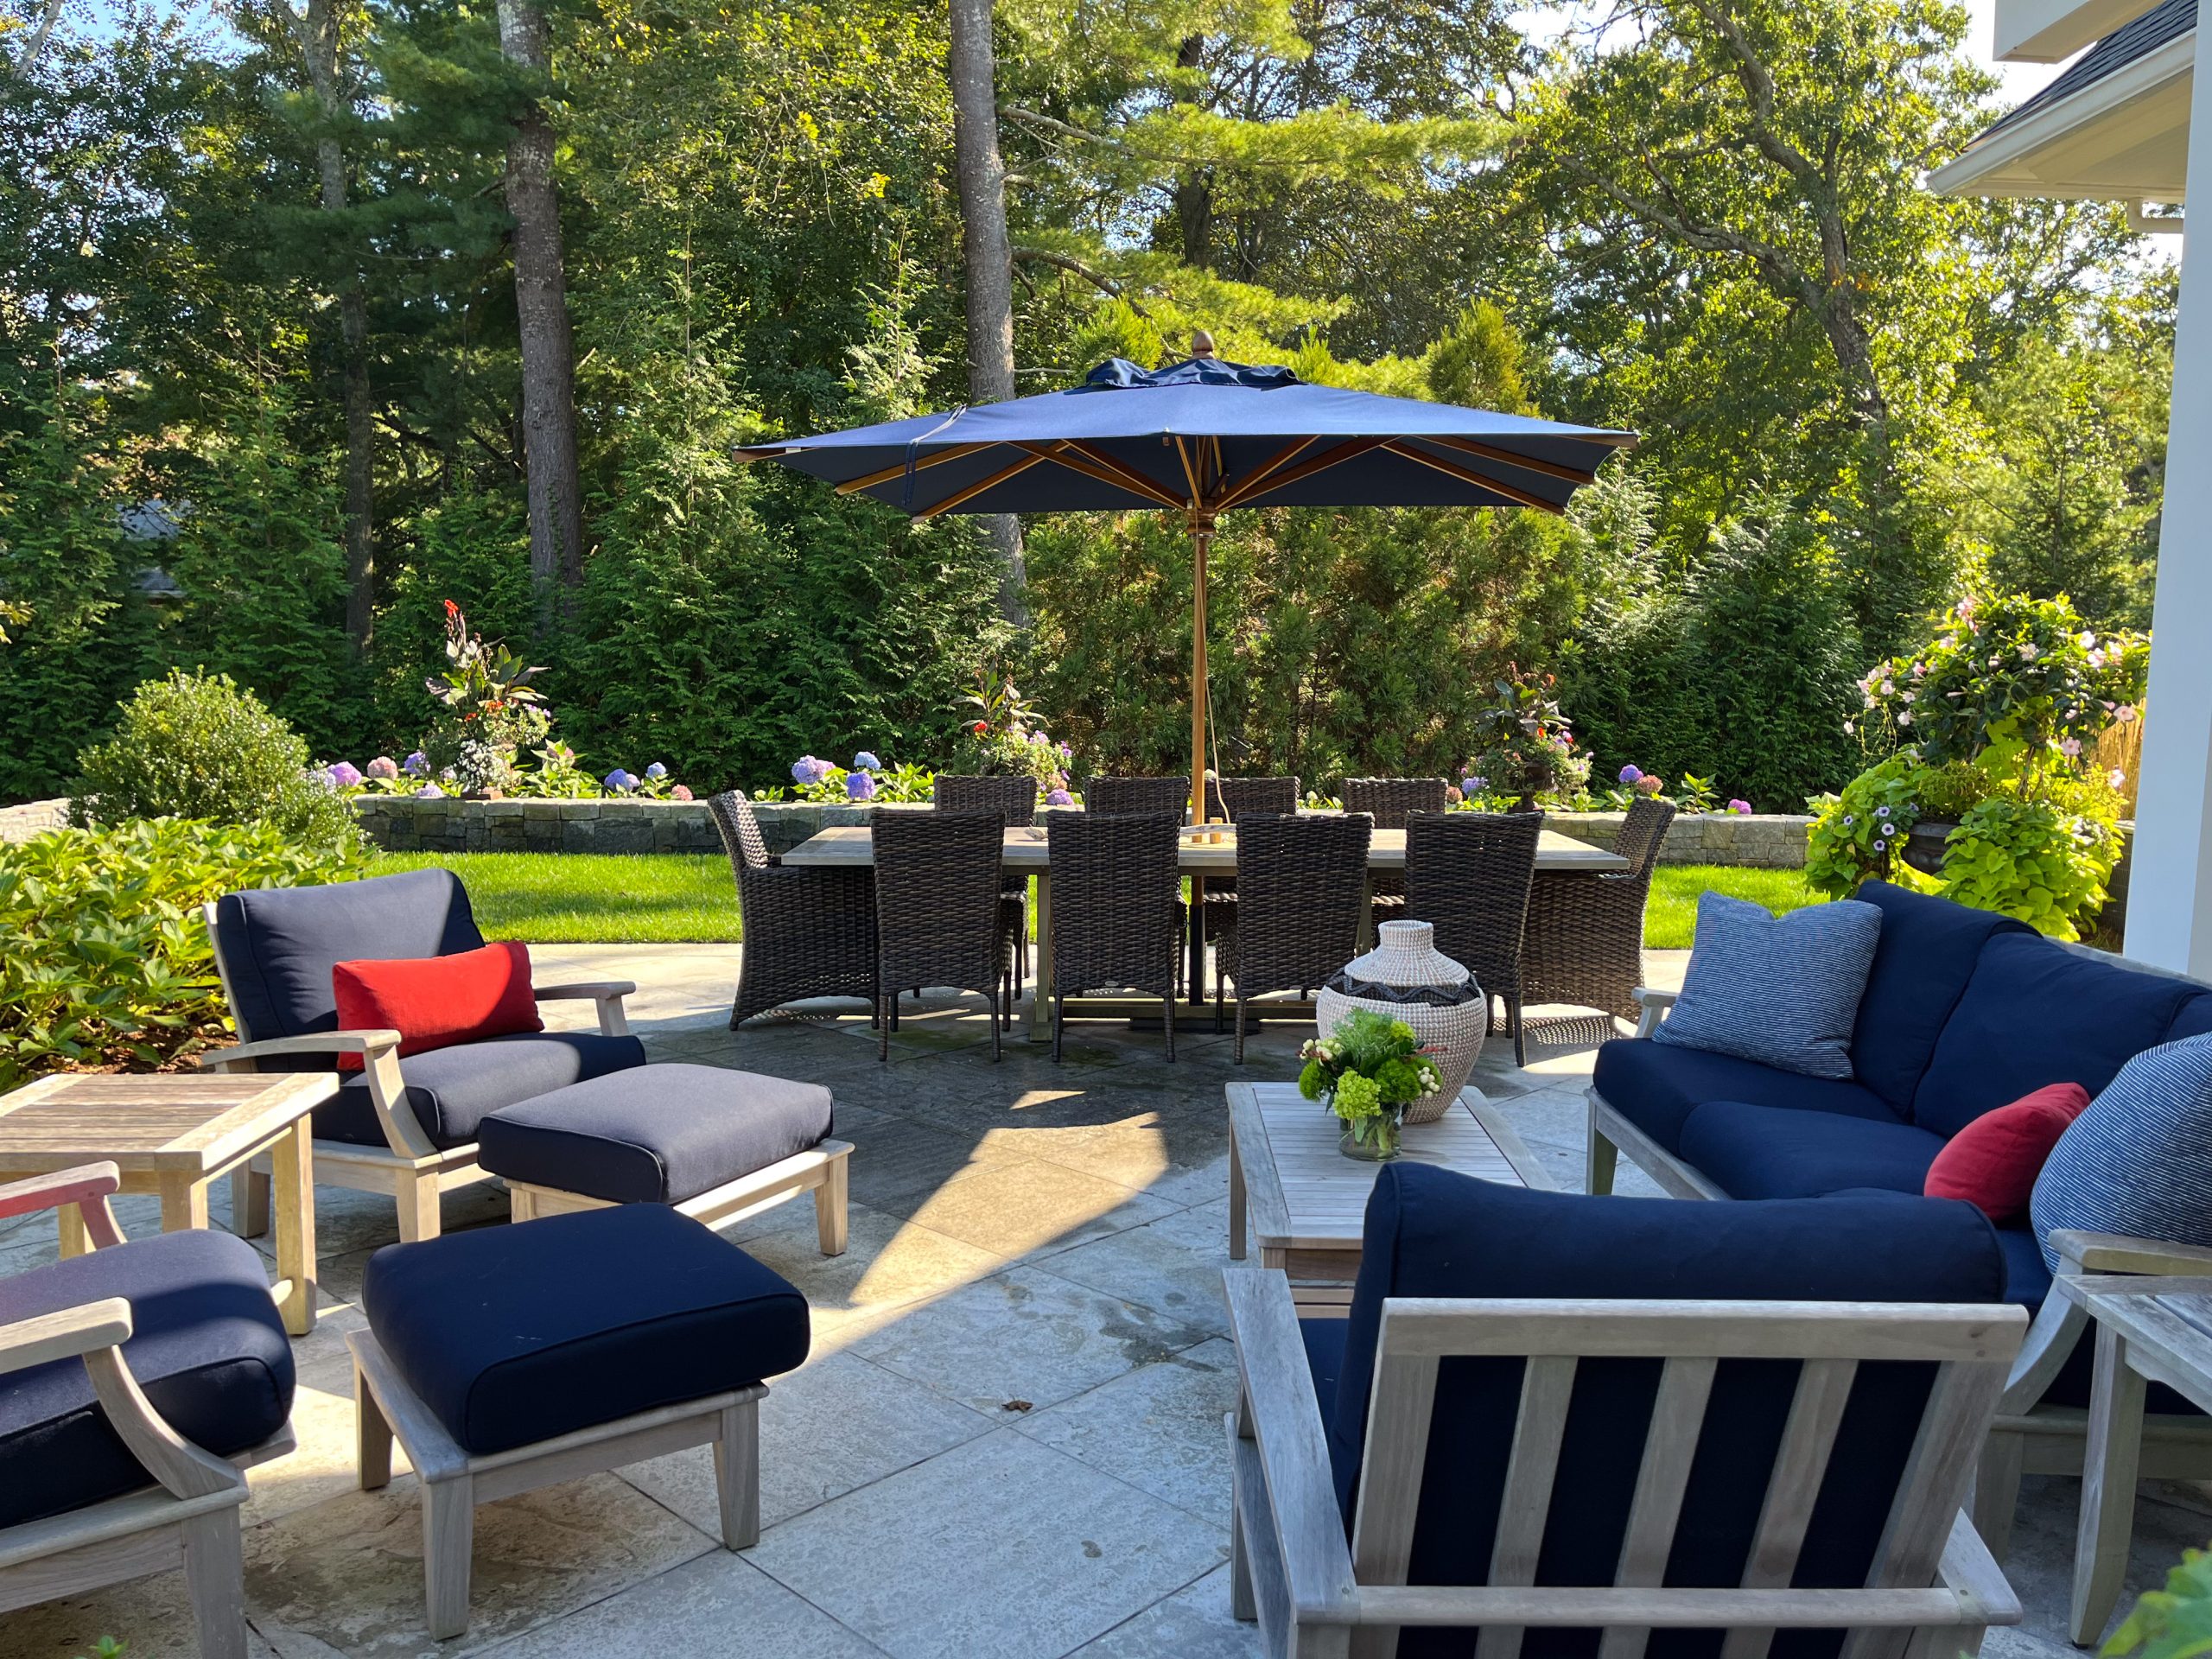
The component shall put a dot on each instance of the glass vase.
(1371, 1139)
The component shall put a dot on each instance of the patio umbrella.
(1198, 438)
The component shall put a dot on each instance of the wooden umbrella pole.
(1201, 541)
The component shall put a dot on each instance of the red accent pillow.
(1992, 1162)
(437, 1002)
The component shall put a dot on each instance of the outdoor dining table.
(1204, 852)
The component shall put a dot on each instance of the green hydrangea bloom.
(1357, 1097)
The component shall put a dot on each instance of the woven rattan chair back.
(1125, 796)
(1114, 887)
(1585, 943)
(1390, 800)
(1643, 832)
(1468, 875)
(1235, 799)
(1301, 885)
(939, 918)
(1014, 799)
(741, 831)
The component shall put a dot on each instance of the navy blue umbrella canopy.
(1201, 437)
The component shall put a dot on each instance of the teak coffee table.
(173, 1136)
(1305, 1201)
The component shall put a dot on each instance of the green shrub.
(199, 746)
(107, 958)
(2029, 860)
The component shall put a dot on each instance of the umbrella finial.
(1201, 343)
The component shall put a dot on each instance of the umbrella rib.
(976, 489)
(1320, 463)
(1112, 471)
(1189, 473)
(934, 458)
(1527, 463)
(1468, 475)
(1223, 494)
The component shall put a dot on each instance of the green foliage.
(1859, 833)
(196, 745)
(1370, 1065)
(1478, 363)
(2029, 859)
(2173, 1623)
(108, 960)
(1525, 745)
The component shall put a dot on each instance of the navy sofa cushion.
(2037, 1013)
(656, 1136)
(1657, 1087)
(1772, 1151)
(1430, 1232)
(280, 943)
(1925, 957)
(514, 1335)
(452, 1090)
(2192, 1019)
(206, 1346)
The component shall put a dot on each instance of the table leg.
(1236, 1198)
(184, 1203)
(1197, 942)
(74, 1239)
(292, 1166)
(1040, 1010)
(2109, 1465)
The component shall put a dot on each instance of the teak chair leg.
(448, 1539)
(1600, 1164)
(419, 1215)
(214, 1574)
(737, 1474)
(371, 1438)
(831, 1207)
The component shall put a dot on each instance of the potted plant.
(488, 711)
(1367, 1072)
(1527, 745)
(1005, 735)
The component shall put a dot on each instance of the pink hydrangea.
(1742, 809)
(382, 767)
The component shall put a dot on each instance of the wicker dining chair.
(1468, 875)
(1585, 941)
(1302, 887)
(1232, 800)
(1122, 796)
(1014, 799)
(807, 932)
(1115, 886)
(940, 917)
(1389, 801)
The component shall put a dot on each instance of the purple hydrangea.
(429, 792)
(1067, 751)
(345, 774)
(416, 765)
(1473, 785)
(382, 767)
(860, 785)
(866, 761)
(807, 769)
(620, 779)
(1060, 798)
(657, 770)
(1743, 809)
(1631, 775)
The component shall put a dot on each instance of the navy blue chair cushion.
(1927, 954)
(2034, 1014)
(514, 1335)
(280, 943)
(1657, 1087)
(655, 1136)
(1324, 1358)
(452, 1090)
(1430, 1232)
(1771, 1152)
(207, 1346)
(2192, 1019)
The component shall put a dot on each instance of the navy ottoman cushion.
(1657, 1087)
(514, 1335)
(452, 1090)
(1925, 957)
(207, 1346)
(1770, 1152)
(655, 1136)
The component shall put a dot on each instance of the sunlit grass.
(591, 898)
(1671, 917)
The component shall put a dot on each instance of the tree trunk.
(318, 35)
(1194, 189)
(549, 352)
(986, 252)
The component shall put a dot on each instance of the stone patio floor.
(1007, 1442)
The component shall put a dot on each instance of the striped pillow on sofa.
(2139, 1160)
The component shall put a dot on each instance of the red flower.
(452, 609)
(981, 726)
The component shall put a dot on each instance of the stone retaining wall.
(32, 818)
(403, 823)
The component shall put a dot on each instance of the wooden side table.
(2149, 1330)
(173, 1136)
(1305, 1202)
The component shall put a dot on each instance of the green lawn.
(591, 898)
(1671, 918)
(681, 898)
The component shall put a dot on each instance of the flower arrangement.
(1367, 1072)
(488, 709)
(1528, 753)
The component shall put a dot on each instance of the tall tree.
(549, 351)
(987, 251)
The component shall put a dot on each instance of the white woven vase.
(1407, 977)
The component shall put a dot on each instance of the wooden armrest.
(65, 1335)
(364, 1043)
(1971, 1573)
(57, 1187)
(1654, 1004)
(608, 994)
(1280, 1408)
(2117, 1253)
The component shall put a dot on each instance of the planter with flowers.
(1006, 737)
(1368, 1071)
(1527, 753)
(1996, 800)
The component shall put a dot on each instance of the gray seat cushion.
(658, 1135)
(451, 1089)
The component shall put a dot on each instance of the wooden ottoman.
(711, 1143)
(507, 1358)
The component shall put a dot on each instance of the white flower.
(1908, 697)
(2028, 652)
(2096, 659)
(2085, 640)
(2127, 716)
(1888, 687)
(2116, 777)
(1905, 716)
(1848, 728)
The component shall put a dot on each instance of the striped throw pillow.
(2139, 1160)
